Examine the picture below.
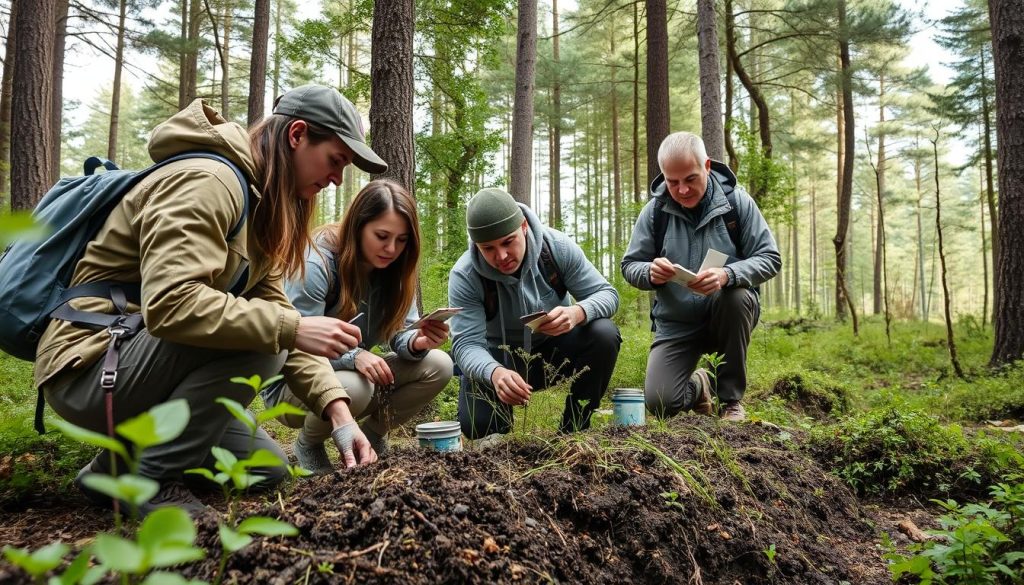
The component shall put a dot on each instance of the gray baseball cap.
(327, 107)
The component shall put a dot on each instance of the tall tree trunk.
(391, 88)
(258, 62)
(876, 305)
(730, 43)
(984, 252)
(950, 340)
(10, 50)
(710, 81)
(813, 251)
(32, 98)
(522, 112)
(637, 193)
(920, 239)
(993, 213)
(225, 63)
(556, 126)
(763, 121)
(57, 96)
(277, 53)
(190, 77)
(616, 231)
(184, 6)
(115, 93)
(1008, 53)
(658, 115)
(846, 191)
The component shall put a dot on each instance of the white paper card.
(713, 259)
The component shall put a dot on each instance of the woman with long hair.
(209, 267)
(364, 269)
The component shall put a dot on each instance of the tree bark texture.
(115, 92)
(32, 99)
(637, 192)
(846, 185)
(522, 108)
(1008, 53)
(993, 213)
(5, 107)
(658, 122)
(556, 126)
(710, 81)
(258, 61)
(57, 94)
(730, 40)
(391, 88)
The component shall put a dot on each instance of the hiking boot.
(704, 404)
(173, 493)
(380, 443)
(489, 441)
(96, 498)
(734, 412)
(313, 459)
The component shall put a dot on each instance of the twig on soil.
(555, 527)
(423, 519)
(345, 556)
(695, 577)
(380, 555)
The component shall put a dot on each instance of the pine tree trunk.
(761, 104)
(920, 240)
(225, 63)
(1008, 53)
(950, 340)
(616, 231)
(32, 98)
(984, 256)
(190, 75)
(993, 213)
(846, 191)
(391, 88)
(658, 122)
(522, 112)
(57, 96)
(258, 62)
(637, 192)
(10, 51)
(876, 305)
(730, 42)
(277, 53)
(556, 126)
(710, 81)
(115, 92)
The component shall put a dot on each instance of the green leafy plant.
(672, 500)
(37, 563)
(976, 543)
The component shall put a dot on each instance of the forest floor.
(778, 499)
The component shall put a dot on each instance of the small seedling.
(672, 500)
(770, 553)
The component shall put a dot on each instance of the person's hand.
(709, 281)
(326, 336)
(510, 387)
(355, 449)
(430, 336)
(562, 320)
(374, 368)
(661, 271)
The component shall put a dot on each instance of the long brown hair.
(281, 221)
(399, 278)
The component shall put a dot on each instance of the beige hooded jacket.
(169, 233)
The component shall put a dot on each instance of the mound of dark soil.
(699, 503)
(811, 393)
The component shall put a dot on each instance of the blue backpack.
(34, 275)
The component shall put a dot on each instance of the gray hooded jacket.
(680, 313)
(520, 295)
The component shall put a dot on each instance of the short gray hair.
(682, 145)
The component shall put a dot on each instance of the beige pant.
(416, 384)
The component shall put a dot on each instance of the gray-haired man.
(696, 206)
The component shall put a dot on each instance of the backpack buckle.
(108, 378)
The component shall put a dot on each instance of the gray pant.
(416, 384)
(152, 371)
(668, 390)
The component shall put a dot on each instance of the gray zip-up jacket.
(473, 335)
(309, 297)
(680, 313)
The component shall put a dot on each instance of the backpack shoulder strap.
(660, 219)
(490, 297)
(732, 219)
(549, 269)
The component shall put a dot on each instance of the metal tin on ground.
(440, 436)
(628, 407)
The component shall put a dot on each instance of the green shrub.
(814, 393)
(895, 450)
(976, 543)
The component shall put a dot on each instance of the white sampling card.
(713, 259)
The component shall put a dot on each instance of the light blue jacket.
(680, 313)
(310, 298)
(473, 335)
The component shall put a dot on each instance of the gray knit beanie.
(491, 214)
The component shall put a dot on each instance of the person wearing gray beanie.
(516, 284)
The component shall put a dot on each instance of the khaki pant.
(416, 384)
(152, 371)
